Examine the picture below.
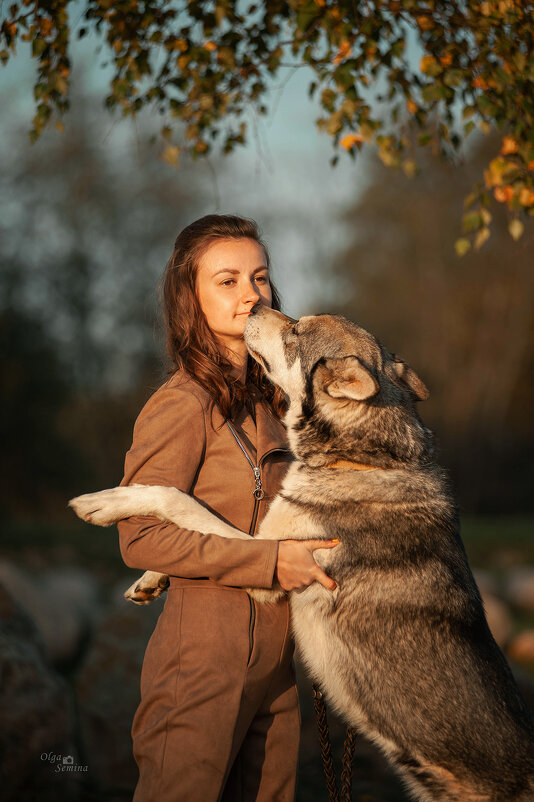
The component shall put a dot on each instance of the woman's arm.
(168, 448)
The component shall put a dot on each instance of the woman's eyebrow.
(235, 272)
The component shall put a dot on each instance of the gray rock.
(62, 603)
(499, 618)
(486, 582)
(36, 721)
(520, 588)
(521, 648)
(107, 688)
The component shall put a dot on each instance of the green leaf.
(454, 77)
(471, 221)
(468, 127)
(433, 92)
(38, 47)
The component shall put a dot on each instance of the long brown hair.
(191, 344)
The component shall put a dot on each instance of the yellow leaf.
(462, 246)
(495, 174)
(426, 63)
(526, 197)
(411, 105)
(349, 140)
(481, 237)
(45, 26)
(509, 145)
(210, 46)
(410, 168)
(425, 23)
(171, 155)
(516, 228)
(344, 50)
(486, 216)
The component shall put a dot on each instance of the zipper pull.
(258, 492)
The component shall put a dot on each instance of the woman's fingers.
(296, 567)
(325, 580)
(319, 544)
(320, 576)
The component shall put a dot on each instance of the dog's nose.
(256, 307)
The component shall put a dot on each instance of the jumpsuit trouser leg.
(219, 717)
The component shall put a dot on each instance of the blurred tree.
(85, 232)
(466, 326)
(37, 458)
(208, 63)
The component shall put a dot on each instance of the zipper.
(251, 627)
(258, 494)
(257, 500)
(258, 490)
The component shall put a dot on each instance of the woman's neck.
(240, 371)
(237, 354)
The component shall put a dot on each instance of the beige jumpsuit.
(219, 717)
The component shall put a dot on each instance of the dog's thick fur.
(401, 647)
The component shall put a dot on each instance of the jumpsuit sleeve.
(168, 446)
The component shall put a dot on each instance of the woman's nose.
(250, 294)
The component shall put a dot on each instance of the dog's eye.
(294, 329)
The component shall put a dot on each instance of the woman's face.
(232, 276)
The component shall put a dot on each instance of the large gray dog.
(401, 648)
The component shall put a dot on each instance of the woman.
(218, 717)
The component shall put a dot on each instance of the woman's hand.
(296, 569)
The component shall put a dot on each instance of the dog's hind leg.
(149, 587)
(427, 782)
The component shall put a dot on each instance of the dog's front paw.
(97, 508)
(149, 587)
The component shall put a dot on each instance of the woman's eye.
(227, 282)
(261, 279)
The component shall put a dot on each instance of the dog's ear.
(409, 377)
(347, 377)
